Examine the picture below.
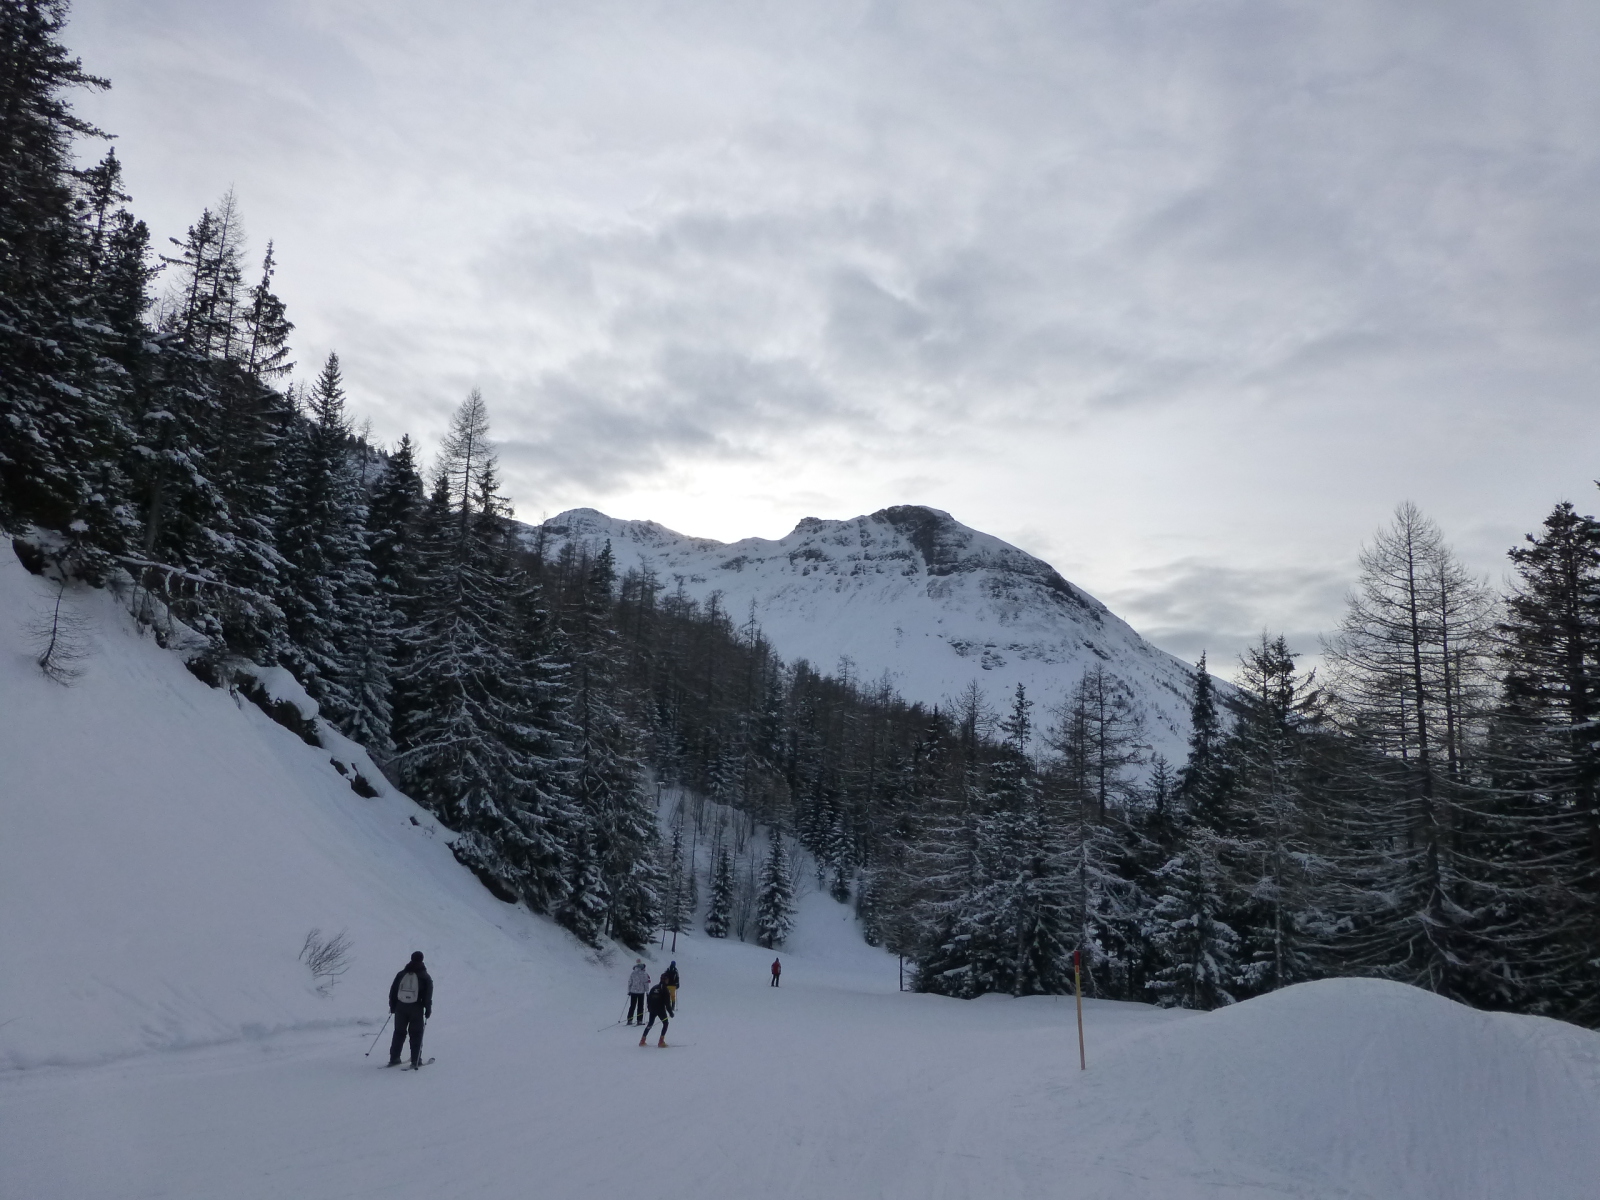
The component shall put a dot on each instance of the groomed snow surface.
(164, 849)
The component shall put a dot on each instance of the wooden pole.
(1077, 990)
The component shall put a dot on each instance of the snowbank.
(1343, 1087)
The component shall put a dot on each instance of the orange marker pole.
(1077, 990)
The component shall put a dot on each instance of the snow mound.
(1342, 1087)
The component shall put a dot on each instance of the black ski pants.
(774, 979)
(635, 1006)
(651, 1025)
(407, 1020)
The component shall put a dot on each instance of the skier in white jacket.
(638, 985)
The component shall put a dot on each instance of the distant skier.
(777, 969)
(411, 1002)
(638, 985)
(657, 1002)
(670, 978)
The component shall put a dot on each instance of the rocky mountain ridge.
(911, 596)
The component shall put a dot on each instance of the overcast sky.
(1181, 296)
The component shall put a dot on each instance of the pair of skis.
(427, 1062)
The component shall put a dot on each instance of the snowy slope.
(164, 847)
(912, 594)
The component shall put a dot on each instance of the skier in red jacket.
(777, 969)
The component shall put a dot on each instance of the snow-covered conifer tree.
(1195, 950)
(775, 901)
(609, 778)
(266, 327)
(1542, 813)
(1203, 780)
(328, 598)
(675, 915)
(583, 910)
(477, 742)
(1276, 858)
(719, 911)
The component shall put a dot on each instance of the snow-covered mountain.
(912, 594)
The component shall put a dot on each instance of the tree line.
(1427, 812)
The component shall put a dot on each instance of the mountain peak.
(911, 595)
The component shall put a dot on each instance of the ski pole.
(620, 1019)
(374, 1045)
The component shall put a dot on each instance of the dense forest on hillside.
(1427, 813)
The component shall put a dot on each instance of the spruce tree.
(676, 914)
(583, 910)
(1281, 871)
(839, 856)
(719, 911)
(1195, 949)
(1543, 823)
(328, 599)
(477, 743)
(1203, 781)
(63, 403)
(775, 900)
(266, 327)
(609, 778)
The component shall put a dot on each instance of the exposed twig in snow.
(62, 640)
(328, 958)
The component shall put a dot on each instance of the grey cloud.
(689, 403)
(947, 235)
(1189, 606)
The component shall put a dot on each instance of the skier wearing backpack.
(411, 1002)
(670, 978)
(656, 1002)
(638, 985)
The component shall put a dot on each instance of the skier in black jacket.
(670, 978)
(411, 1002)
(657, 1004)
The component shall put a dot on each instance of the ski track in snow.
(165, 847)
